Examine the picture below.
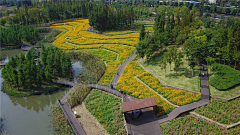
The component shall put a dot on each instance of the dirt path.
(89, 126)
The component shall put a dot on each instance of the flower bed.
(80, 36)
(130, 85)
(175, 96)
(195, 126)
(221, 111)
(107, 109)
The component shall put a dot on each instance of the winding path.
(204, 101)
(149, 123)
(76, 126)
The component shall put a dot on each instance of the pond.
(30, 115)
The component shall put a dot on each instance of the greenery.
(24, 73)
(104, 17)
(221, 111)
(192, 125)
(60, 122)
(183, 79)
(78, 95)
(48, 11)
(94, 68)
(15, 34)
(47, 35)
(34, 90)
(107, 109)
(225, 77)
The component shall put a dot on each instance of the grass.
(192, 125)
(60, 123)
(183, 79)
(221, 111)
(107, 109)
(230, 93)
(24, 92)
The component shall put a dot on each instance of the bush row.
(78, 95)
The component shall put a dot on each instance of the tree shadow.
(183, 72)
(156, 58)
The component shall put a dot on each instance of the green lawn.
(223, 94)
(183, 79)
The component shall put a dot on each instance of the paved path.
(204, 101)
(120, 70)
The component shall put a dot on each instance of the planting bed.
(107, 109)
(175, 96)
(195, 126)
(222, 111)
(136, 89)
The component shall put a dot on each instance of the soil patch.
(89, 126)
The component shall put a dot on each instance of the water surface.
(30, 115)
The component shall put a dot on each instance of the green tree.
(163, 65)
(142, 33)
(178, 60)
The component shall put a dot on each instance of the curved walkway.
(76, 126)
(147, 123)
(204, 101)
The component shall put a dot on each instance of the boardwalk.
(204, 101)
(147, 123)
(76, 126)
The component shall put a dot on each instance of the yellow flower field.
(75, 37)
(175, 96)
(133, 87)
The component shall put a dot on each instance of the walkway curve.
(76, 126)
(204, 101)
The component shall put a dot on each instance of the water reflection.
(38, 102)
(29, 115)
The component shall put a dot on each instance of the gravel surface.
(89, 126)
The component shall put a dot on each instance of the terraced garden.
(135, 81)
(195, 126)
(108, 110)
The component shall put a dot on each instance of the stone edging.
(138, 61)
(230, 99)
(155, 92)
(93, 118)
(219, 124)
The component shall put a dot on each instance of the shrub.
(225, 77)
(60, 122)
(78, 95)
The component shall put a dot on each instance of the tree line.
(49, 11)
(15, 34)
(24, 71)
(104, 17)
(179, 26)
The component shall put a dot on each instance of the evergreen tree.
(142, 33)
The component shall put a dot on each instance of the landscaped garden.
(221, 111)
(192, 125)
(117, 53)
(107, 109)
